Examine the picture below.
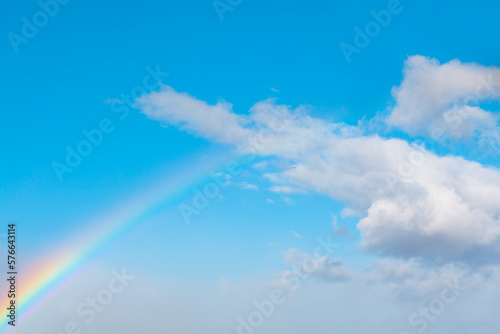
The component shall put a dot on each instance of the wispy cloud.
(246, 185)
(295, 234)
(285, 190)
(111, 100)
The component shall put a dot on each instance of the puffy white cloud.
(412, 203)
(439, 98)
(443, 207)
(216, 122)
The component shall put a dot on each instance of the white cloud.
(338, 230)
(216, 122)
(248, 186)
(261, 165)
(110, 100)
(295, 234)
(436, 97)
(412, 203)
(284, 189)
(325, 268)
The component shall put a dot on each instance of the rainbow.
(53, 273)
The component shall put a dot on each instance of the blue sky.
(74, 72)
